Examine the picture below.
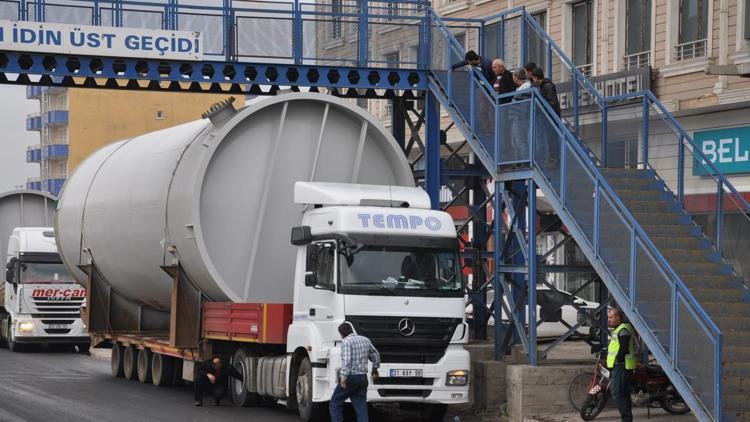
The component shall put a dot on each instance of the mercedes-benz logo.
(406, 327)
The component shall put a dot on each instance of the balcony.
(33, 92)
(34, 154)
(34, 122)
(54, 118)
(55, 152)
(691, 50)
(634, 61)
(54, 185)
(34, 183)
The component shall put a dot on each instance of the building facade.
(73, 123)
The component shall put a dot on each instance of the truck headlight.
(25, 326)
(457, 378)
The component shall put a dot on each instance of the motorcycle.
(651, 388)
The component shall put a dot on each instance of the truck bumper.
(430, 388)
(53, 340)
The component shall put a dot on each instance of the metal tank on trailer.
(215, 195)
(23, 208)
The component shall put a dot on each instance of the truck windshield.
(44, 272)
(401, 271)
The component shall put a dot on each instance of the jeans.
(356, 390)
(620, 388)
(201, 384)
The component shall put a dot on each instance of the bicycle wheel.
(593, 405)
(578, 389)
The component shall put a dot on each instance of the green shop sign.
(728, 149)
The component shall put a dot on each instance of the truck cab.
(41, 301)
(380, 259)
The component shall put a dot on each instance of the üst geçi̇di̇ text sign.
(86, 40)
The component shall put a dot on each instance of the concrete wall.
(540, 390)
(99, 117)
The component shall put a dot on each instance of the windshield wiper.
(383, 288)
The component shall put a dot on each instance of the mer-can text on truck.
(182, 239)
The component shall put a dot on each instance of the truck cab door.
(318, 298)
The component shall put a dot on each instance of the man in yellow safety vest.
(621, 362)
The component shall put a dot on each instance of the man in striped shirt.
(356, 351)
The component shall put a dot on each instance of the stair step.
(712, 281)
(627, 173)
(690, 255)
(738, 323)
(735, 402)
(719, 308)
(738, 339)
(652, 205)
(644, 195)
(636, 183)
(665, 218)
(736, 384)
(735, 415)
(731, 369)
(692, 268)
(735, 353)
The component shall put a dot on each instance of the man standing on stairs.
(471, 58)
(621, 361)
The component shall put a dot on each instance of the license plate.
(410, 373)
(57, 326)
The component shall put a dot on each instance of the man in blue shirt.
(356, 351)
(471, 58)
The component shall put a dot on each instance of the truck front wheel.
(307, 408)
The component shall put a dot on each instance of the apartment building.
(73, 123)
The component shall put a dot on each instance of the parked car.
(549, 309)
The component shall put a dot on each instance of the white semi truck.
(182, 238)
(41, 303)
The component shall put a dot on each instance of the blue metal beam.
(60, 69)
(432, 150)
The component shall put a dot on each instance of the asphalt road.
(44, 385)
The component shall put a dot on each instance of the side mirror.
(9, 275)
(311, 280)
(11, 263)
(301, 235)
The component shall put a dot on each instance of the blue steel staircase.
(684, 299)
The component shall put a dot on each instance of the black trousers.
(620, 387)
(201, 385)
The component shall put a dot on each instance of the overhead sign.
(86, 40)
(728, 149)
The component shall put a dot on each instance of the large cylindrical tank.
(23, 208)
(218, 195)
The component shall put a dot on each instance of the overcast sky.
(14, 138)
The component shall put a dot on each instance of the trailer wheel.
(116, 361)
(162, 370)
(240, 393)
(144, 365)
(129, 363)
(308, 409)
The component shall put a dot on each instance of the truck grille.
(426, 344)
(46, 306)
(57, 330)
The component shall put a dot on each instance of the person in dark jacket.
(547, 88)
(212, 376)
(503, 81)
(472, 59)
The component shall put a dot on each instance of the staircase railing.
(674, 325)
(673, 144)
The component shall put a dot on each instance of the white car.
(548, 301)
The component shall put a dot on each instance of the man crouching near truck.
(212, 376)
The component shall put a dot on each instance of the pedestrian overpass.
(671, 279)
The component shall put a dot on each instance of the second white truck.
(41, 303)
